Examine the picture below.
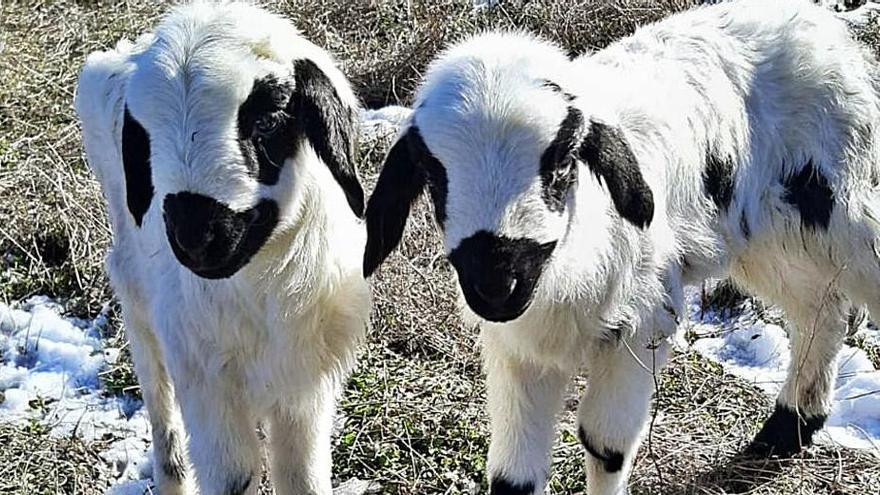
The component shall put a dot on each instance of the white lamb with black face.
(576, 197)
(224, 143)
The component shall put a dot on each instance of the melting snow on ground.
(758, 352)
(49, 367)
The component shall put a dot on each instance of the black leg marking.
(612, 460)
(784, 433)
(809, 192)
(501, 486)
(718, 181)
(173, 465)
(238, 486)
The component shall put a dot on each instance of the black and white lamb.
(577, 197)
(224, 145)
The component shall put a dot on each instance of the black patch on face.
(136, 165)
(238, 485)
(718, 181)
(809, 192)
(501, 486)
(558, 164)
(267, 136)
(785, 433)
(612, 460)
(497, 274)
(278, 115)
(610, 158)
(212, 240)
(408, 168)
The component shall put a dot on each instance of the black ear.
(610, 158)
(136, 166)
(401, 181)
(330, 126)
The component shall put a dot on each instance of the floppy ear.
(330, 125)
(610, 158)
(401, 181)
(117, 146)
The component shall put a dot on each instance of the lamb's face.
(500, 167)
(225, 131)
(500, 145)
(501, 179)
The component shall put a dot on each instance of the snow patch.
(380, 123)
(49, 367)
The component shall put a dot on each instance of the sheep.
(224, 145)
(577, 197)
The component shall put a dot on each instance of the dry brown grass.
(36, 463)
(414, 418)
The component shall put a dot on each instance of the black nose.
(495, 291)
(193, 223)
(211, 239)
(192, 239)
(498, 274)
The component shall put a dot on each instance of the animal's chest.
(554, 334)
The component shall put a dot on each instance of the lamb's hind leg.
(169, 454)
(817, 314)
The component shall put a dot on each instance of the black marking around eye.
(136, 166)
(558, 155)
(809, 192)
(718, 180)
(268, 95)
(264, 155)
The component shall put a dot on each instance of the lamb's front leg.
(300, 443)
(615, 408)
(223, 444)
(524, 399)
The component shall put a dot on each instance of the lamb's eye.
(269, 124)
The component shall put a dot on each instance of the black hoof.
(501, 486)
(784, 434)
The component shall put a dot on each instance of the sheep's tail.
(100, 105)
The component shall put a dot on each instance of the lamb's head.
(230, 118)
(500, 143)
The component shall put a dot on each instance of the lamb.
(224, 144)
(576, 198)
